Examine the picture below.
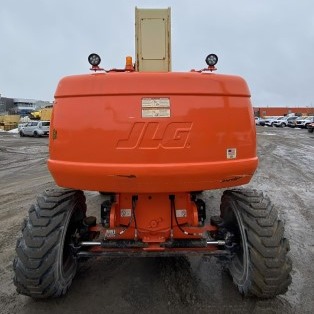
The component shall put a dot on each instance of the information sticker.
(155, 107)
(125, 212)
(181, 213)
(110, 233)
(231, 153)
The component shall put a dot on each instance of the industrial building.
(21, 106)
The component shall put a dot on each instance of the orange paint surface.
(104, 136)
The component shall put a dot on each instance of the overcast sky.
(268, 42)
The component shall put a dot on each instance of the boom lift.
(148, 141)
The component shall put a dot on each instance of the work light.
(94, 59)
(211, 59)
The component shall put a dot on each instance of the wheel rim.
(240, 263)
(67, 254)
(67, 261)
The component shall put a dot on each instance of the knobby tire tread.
(38, 247)
(269, 264)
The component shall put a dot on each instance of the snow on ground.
(15, 131)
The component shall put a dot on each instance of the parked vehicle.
(283, 122)
(292, 123)
(262, 122)
(21, 126)
(35, 128)
(278, 120)
(310, 127)
(270, 120)
(259, 121)
(304, 122)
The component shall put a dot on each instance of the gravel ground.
(165, 285)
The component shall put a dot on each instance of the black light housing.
(211, 60)
(94, 59)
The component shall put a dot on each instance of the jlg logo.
(152, 135)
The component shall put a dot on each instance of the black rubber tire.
(310, 130)
(36, 134)
(21, 134)
(261, 266)
(283, 125)
(45, 266)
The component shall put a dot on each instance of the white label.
(155, 107)
(181, 213)
(155, 102)
(110, 233)
(125, 212)
(231, 153)
(155, 113)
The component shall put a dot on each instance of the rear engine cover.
(152, 132)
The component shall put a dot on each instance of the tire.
(260, 267)
(310, 130)
(21, 134)
(283, 125)
(36, 134)
(45, 266)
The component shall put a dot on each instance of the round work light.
(211, 59)
(94, 59)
